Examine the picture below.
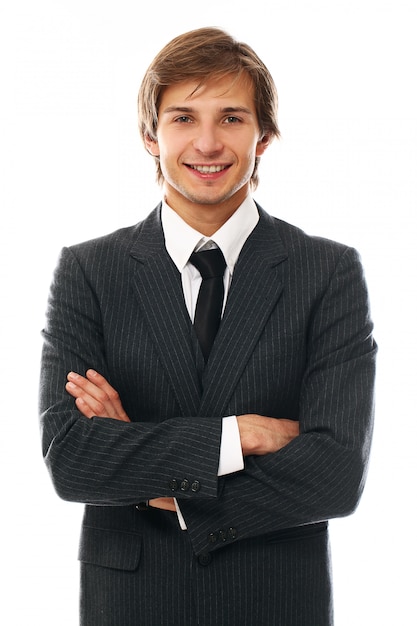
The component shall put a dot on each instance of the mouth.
(208, 169)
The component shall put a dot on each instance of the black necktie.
(208, 311)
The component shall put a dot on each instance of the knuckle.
(113, 395)
(102, 396)
(99, 408)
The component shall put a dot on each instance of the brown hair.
(202, 55)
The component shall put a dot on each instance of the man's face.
(207, 143)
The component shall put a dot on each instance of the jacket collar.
(255, 291)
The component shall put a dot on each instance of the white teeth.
(208, 169)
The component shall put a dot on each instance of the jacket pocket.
(110, 548)
(308, 531)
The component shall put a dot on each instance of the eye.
(183, 119)
(232, 119)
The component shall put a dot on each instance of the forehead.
(231, 88)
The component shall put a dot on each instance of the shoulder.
(306, 248)
(109, 256)
(120, 242)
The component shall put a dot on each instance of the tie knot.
(210, 263)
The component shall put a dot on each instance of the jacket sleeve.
(104, 461)
(321, 473)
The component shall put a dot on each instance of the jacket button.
(205, 559)
(185, 485)
(195, 486)
(173, 484)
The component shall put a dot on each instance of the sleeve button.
(185, 485)
(173, 484)
(232, 533)
(195, 486)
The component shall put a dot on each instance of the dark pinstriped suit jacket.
(295, 342)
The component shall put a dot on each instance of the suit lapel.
(157, 283)
(255, 290)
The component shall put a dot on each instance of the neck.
(206, 223)
(205, 218)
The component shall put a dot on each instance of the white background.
(72, 167)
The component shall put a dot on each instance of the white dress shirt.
(181, 241)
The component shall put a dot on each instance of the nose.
(208, 139)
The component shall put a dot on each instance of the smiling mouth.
(208, 169)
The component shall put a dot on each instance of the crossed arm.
(320, 474)
(259, 435)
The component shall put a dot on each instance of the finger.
(163, 503)
(98, 394)
(83, 407)
(89, 388)
(96, 397)
(113, 398)
(86, 403)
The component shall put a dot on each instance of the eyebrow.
(183, 109)
(237, 110)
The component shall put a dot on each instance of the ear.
(262, 144)
(151, 146)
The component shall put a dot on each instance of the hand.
(258, 435)
(167, 504)
(94, 396)
(261, 435)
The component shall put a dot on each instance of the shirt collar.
(181, 240)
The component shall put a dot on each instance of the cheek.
(248, 148)
(172, 141)
(250, 157)
(169, 151)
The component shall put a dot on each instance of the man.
(209, 458)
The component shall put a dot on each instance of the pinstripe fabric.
(295, 341)
(265, 581)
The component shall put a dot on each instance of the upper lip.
(221, 165)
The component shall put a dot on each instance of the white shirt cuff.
(231, 457)
(181, 520)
